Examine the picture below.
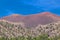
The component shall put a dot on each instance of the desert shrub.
(42, 37)
(3, 38)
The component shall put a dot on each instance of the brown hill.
(33, 20)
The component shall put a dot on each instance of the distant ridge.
(33, 20)
(30, 26)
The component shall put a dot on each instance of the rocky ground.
(11, 29)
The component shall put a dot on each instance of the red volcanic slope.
(33, 20)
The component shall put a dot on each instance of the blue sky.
(27, 7)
